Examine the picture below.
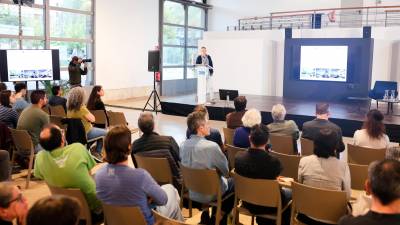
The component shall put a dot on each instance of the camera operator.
(75, 71)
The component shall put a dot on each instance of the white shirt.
(361, 138)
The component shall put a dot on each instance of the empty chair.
(379, 89)
(364, 156)
(206, 182)
(290, 164)
(358, 174)
(282, 144)
(123, 215)
(76, 193)
(24, 146)
(307, 146)
(118, 118)
(253, 191)
(158, 168)
(100, 117)
(57, 110)
(228, 135)
(232, 151)
(320, 204)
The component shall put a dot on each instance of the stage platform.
(348, 115)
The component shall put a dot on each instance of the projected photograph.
(29, 65)
(323, 63)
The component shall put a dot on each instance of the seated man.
(20, 93)
(312, 128)
(66, 166)
(383, 183)
(234, 119)
(56, 98)
(13, 205)
(119, 184)
(33, 118)
(199, 153)
(257, 163)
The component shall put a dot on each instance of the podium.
(203, 85)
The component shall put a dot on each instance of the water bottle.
(392, 95)
(386, 96)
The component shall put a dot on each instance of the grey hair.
(251, 117)
(278, 112)
(75, 98)
(6, 191)
(393, 153)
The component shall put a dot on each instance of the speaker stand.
(156, 97)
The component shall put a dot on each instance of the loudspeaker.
(367, 32)
(288, 33)
(153, 61)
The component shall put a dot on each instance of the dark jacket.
(75, 72)
(57, 100)
(210, 63)
(75, 131)
(215, 136)
(234, 119)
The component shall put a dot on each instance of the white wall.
(252, 61)
(125, 30)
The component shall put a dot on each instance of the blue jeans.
(94, 133)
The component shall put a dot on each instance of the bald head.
(51, 137)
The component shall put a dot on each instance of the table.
(390, 103)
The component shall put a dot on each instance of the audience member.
(66, 166)
(199, 153)
(76, 109)
(20, 94)
(372, 134)
(280, 126)
(257, 163)
(215, 135)
(33, 118)
(234, 119)
(3, 86)
(393, 153)
(311, 128)
(94, 101)
(54, 210)
(241, 136)
(118, 184)
(384, 185)
(5, 167)
(13, 205)
(7, 114)
(56, 98)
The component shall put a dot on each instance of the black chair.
(379, 89)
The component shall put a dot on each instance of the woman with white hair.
(241, 137)
(76, 109)
(281, 126)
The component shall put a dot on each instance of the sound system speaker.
(367, 32)
(153, 63)
(288, 33)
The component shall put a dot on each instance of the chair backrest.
(158, 168)
(228, 135)
(290, 164)
(46, 110)
(57, 120)
(162, 220)
(123, 215)
(22, 140)
(282, 144)
(320, 204)
(100, 117)
(57, 110)
(364, 156)
(204, 181)
(381, 86)
(75, 193)
(232, 151)
(116, 118)
(358, 174)
(307, 146)
(253, 191)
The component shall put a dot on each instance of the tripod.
(155, 95)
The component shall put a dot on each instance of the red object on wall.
(158, 77)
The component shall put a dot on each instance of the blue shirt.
(125, 186)
(241, 137)
(20, 104)
(199, 153)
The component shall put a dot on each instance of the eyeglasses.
(19, 198)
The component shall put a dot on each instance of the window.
(183, 26)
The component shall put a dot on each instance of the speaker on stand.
(153, 65)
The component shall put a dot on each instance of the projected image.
(323, 63)
(29, 65)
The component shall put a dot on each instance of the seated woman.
(372, 134)
(95, 103)
(323, 169)
(121, 185)
(241, 136)
(281, 126)
(76, 109)
(8, 115)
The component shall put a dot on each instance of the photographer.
(75, 71)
